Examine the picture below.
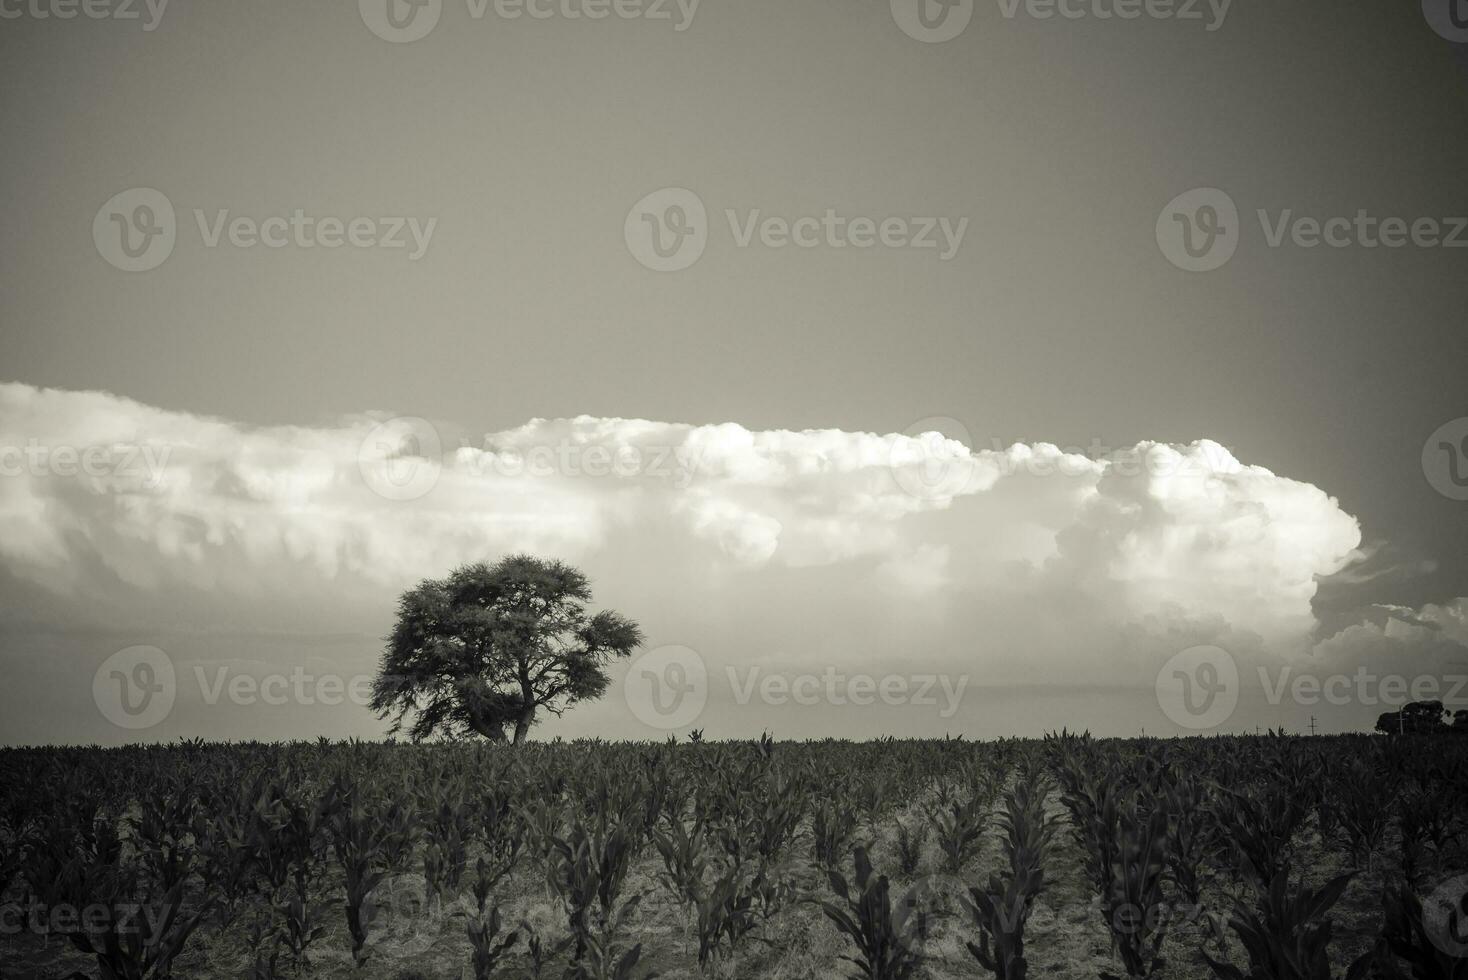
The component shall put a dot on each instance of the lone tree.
(484, 649)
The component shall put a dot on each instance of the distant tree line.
(1423, 718)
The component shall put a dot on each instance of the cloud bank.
(1027, 564)
(100, 492)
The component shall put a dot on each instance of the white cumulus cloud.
(102, 494)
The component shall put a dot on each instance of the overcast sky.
(242, 236)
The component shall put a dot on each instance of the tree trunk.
(493, 731)
(522, 723)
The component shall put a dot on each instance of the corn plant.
(883, 950)
(501, 833)
(265, 941)
(281, 834)
(484, 925)
(15, 831)
(300, 927)
(602, 961)
(772, 889)
(910, 840)
(539, 954)
(587, 870)
(1424, 819)
(1286, 937)
(541, 820)
(725, 915)
(1002, 909)
(229, 853)
(1259, 829)
(1356, 796)
(832, 826)
(684, 865)
(1090, 797)
(162, 836)
(448, 828)
(484, 939)
(130, 938)
(372, 839)
(778, 810)
(1135, 906)
(1188, 837)
(958, 828)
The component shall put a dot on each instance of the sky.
(240, 241)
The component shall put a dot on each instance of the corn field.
(1232, 857)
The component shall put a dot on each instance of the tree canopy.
(1422, 718)
(483, 650)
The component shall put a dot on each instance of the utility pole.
(1312, 724)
